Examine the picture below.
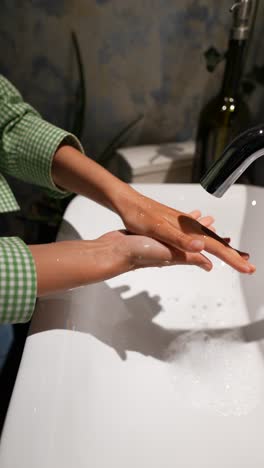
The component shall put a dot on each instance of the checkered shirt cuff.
(37, 143)
(18, 281)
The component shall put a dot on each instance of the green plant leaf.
(78, 124)
(117, 141)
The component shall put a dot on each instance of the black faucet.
(235, 159)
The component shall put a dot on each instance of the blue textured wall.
(140, 56)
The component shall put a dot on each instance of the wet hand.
(187, 233)
(131, 251)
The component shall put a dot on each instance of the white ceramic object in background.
(109, 378)
(169, 162)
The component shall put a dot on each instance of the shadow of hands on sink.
(138, 332)
(122, 324)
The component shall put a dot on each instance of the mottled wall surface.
(140, 57)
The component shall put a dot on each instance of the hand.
(147, 217)
(141, 251)
(69, 264)
(130, 252)
(77, 173)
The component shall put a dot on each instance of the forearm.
(75, 172)
(141, 215)
(70, 264)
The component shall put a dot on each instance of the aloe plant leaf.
(117, 141)
(78, 124)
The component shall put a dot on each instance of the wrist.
(121, 197)
(70, 264)
(75, 172)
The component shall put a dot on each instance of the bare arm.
(69, 264)
(73, 171)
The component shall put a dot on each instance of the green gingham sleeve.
(18, 282)
(27, 142)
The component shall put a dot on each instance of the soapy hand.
(181, 233)
(131, 251)
(135, 251)
(70, 264)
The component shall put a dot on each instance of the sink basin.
(150, 369)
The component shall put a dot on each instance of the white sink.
(116, 374)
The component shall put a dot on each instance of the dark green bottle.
(226, 115)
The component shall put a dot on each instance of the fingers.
(215, 244)
(222, 250)
(229, 256)
(195, 214)
(176, 238)
(186, 258)
(207, 221)
(245, 255)
(148, 252)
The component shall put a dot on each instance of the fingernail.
(249, 268)
(207, 267)
(246, 269)
(197, 245)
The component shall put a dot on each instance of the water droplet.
(142, 215)
(146, 246)
(253, 203)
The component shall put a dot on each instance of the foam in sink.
(219, 374)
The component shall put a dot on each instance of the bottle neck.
(234, 67)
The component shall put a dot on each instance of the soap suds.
(220, 374)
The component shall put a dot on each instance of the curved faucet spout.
(236, 158)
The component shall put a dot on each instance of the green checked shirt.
(27, 146)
